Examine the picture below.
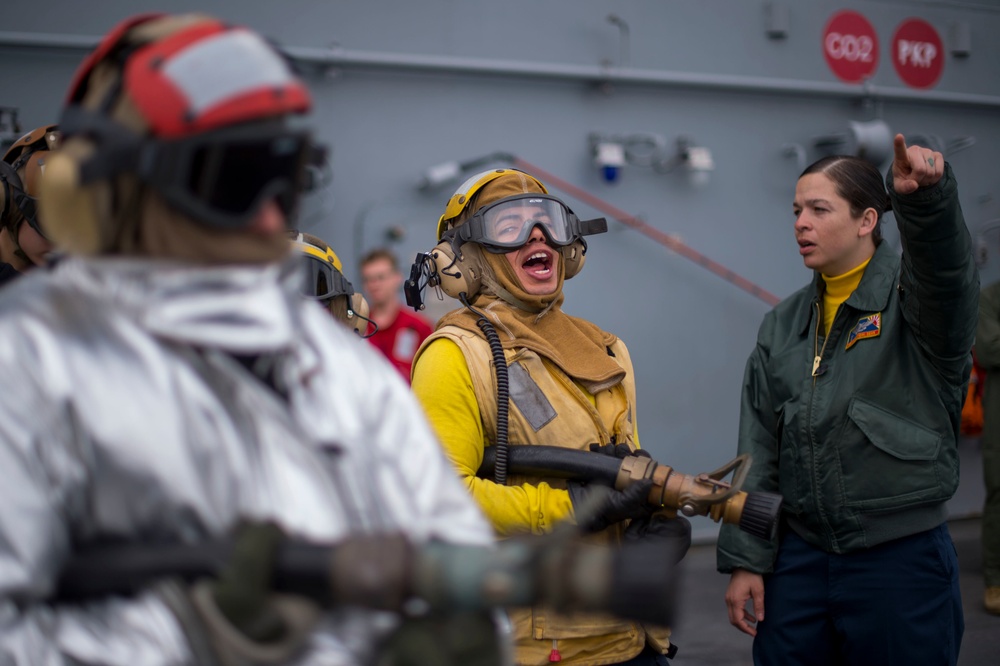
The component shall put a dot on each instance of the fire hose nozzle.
(707, 494)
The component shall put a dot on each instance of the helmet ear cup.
(351, 311)
(359, 320)
(573, 257)
(458, 275)
(68, 212)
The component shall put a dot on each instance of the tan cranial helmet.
(470, 249)
(175, 138)
(21, 172)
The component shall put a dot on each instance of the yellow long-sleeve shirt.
(443, 385)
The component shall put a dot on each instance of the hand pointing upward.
(914, 167)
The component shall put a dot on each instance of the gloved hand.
(237, 616)
(243, 590)
(677, 529)
(618, 450)
(597, 507)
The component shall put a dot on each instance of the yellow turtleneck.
(838, 288)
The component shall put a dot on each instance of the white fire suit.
(127, 415)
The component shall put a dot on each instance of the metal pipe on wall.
(347, 58)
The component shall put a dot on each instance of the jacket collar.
(872, 294)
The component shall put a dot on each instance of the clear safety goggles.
(507, 224)
(322, 281)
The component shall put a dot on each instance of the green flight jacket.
(858, 431)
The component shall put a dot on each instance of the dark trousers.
(991, 508)
(896, 603)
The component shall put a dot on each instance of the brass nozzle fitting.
(691, 495)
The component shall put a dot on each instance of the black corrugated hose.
(503, 390)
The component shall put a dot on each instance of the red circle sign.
(850, 46)
(917, 53)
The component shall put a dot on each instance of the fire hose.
(707, 494)
(388, 572)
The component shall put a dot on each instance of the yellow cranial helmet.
(324, 281)
(458, 208)
(315, 247)
(465, 231)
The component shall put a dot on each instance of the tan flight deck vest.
(548, 408)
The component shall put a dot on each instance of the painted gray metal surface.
(401, 86)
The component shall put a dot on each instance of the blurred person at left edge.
(175, 388)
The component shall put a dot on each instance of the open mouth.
(538, 264)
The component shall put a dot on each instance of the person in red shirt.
(399, 333)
